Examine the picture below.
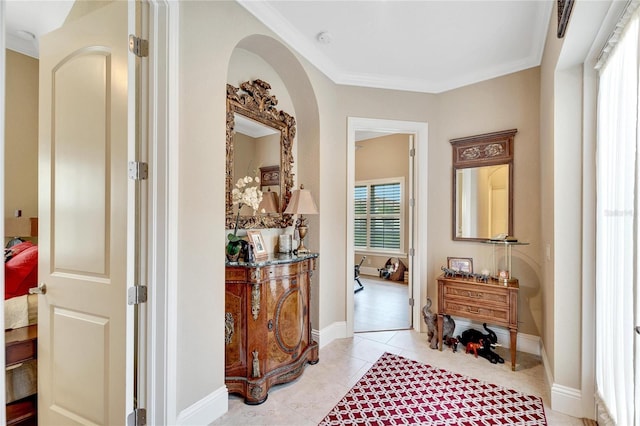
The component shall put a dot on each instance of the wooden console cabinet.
(267, 328)
(495, 302)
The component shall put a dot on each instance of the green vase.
(233, 251)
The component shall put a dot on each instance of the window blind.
(378, 216)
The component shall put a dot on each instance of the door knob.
(638, 329)
(41, 289)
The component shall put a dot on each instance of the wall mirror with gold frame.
(259, 137)
(482, 193)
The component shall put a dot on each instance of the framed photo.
(462, 264)
(256, 240)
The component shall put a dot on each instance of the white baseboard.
(206, 410)
(567, 400)
(526, 342)
(336, 330)
(564, 399)
(547, 368)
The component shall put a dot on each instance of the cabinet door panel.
(289, 320)
(280, 289)
(235, 307)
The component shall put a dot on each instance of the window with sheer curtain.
(616, 228)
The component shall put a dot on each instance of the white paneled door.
(83, 205)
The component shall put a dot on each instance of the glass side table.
(502, 271)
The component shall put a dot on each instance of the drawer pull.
(473, 295)
(473, 311)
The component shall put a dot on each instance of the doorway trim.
(3, 399)
(420, 131)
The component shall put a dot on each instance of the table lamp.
(301, 203)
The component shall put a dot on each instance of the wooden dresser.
(493, 302)
(267, 328)
(21, 346)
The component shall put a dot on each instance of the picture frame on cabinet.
(256, 240)
(461, 264)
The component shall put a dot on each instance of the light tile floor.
(307, 400)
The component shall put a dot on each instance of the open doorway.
(21, 235)
(414, 241)
(75, 186)
(382, 233)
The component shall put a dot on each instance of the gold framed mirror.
(259, 137)
(482, 192)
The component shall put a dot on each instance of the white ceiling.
(36, 17)
(424, 46)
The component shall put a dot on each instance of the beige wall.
(209, 33)
(21, 135)
(547, 83)
(321, 109)
(384, 157)
(502, 103)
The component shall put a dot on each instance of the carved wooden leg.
(514, 344)
(440, 325)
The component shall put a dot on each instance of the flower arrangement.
(243, 195)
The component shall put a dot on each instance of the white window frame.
(382, 181)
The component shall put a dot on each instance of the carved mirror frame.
(253, 100)
(489, 149)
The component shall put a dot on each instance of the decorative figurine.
(431, 320)
(452, 342)
(474, 347)
(489, 341)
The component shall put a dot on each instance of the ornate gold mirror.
(259, 144)
(482, 193)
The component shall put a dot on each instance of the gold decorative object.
(228, 327)
(256, 364)
(255, 301)
(253, 100)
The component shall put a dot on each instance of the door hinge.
(138, 170)
(412, 152)
(412, 251)
(137, 294)
(411, 301)
(137, 418)
(412, 202)
(138, 46)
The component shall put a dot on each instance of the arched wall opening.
(263, 57)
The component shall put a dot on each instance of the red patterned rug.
(398, 391)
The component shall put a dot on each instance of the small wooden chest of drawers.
(21, 346)
(493, 302)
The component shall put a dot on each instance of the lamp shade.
(301, 202)
(269, 203)
(21, 227)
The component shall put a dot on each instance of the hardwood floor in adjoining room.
(381, 305)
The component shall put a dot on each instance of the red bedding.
(21, 270)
